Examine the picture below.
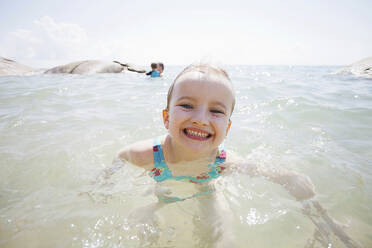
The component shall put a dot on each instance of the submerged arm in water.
(298, 185)
(106, 174)
(101, 184)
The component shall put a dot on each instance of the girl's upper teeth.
(195, 133)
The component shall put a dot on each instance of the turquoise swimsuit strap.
(158, 151)
(161, 171)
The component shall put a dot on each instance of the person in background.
(161, 68)
(154, 70)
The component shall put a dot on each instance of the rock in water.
(87, 67)
(10, 67)
(64, 68)
(362, 68)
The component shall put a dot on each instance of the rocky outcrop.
(362, 68)
(87, 67)
(92, 67)
(10, 67)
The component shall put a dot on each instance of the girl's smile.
(197, 134)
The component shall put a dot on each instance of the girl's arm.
(298, 185)
(139, 154)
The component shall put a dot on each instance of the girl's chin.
(195, 145)
(198, 145)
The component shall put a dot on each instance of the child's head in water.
(160, 67)
(154, 66)
(199, 105)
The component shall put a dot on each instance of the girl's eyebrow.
(219, 103)
(185, 98)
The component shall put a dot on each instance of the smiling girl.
(200, 103)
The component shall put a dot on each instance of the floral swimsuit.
(161, 172)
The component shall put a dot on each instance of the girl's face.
(199, 112)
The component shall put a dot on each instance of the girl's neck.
(174, 153)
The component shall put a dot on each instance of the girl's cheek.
(220, 119)
(179, 115)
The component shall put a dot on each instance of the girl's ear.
(166, 118)
(228, 127)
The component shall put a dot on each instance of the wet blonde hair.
(205, 69)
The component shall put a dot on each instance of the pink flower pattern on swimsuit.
(203, 176)
(221, 154)
(157, 171)
(220, 169)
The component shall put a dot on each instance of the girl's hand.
(299, 186)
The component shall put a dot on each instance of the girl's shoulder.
(232, 157)
(233, 160)
(139, 153)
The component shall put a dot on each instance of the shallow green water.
(58, 132)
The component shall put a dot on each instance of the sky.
(289, 32)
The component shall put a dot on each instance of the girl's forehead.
(205, 87)
(202, 75)
(203, 80)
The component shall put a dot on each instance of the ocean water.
(58, 132)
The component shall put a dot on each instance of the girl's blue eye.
(186, 106)
(216, 111)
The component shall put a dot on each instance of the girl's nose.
(200, 117)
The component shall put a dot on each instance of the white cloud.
(49, 43)
(61, 32)
(27, 35)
